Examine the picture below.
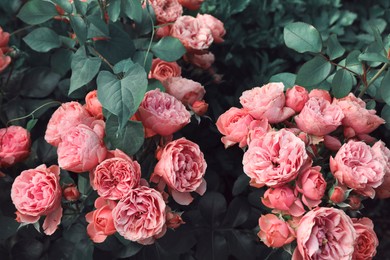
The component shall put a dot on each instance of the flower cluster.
(314, 155)
(4, 49)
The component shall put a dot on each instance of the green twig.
(103, 59)
(151, 40)
(373, 79)
(21, 30)
(32, 113)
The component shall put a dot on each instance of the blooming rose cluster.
(284, 134)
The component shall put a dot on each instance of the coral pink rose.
(296, 97)
(200, 107)
(283, 199)
(4, 39)
(4, 61)
(101, 222)
(65, 118)
(234, 125)
(167, 11)
(15, 145)
(163, 70)
(383, 154)
(93, 105)
(140, 216)
(312, 185)
(191, 4)
(203, 61)
(325, 233)
(81, 149)
(274, 159)
(338, 193)
(275, 232)
(319, 117)
(163, 113)
(37, 192)
(185, 90)
(357, 166)
(320, 93)
(216, 26)
(182, 167)
(367, 241)
(192, 33)
(268, 102)
(258, 128)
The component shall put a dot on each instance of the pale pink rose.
(319, 117)
(185, 90)
(357, 166)
(216, 26)
(81, 150)
(325, 233)
(199, 107)
(275, 232)
(356, 116)
(383, 154)
(312, 185)
(140, 216)
(167, 11)
(4, 39)
(163, 70)
(274, 159)
(192, 33)
(296, 97)
(283, 200)
(65, 118)
(15, 145)
(320, 93)
(70, 192)
(37, 192)
(163, 113)
(191, 4)
(268, 102)
(367, 241)
(203, 61)
(4, 61)
(258, 128)
(93, 105)
(101, 222)
(234, 125)
(182, 167)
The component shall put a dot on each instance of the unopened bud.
(71, 193)
(200, 107)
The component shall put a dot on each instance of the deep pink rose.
(275, 232)
(163, 31)
(319, 117)
(182, 167)
(203, 61)
(320, 93)
(325, 233)
(216, 26)
(70, 192)
(332, 143)
(163, 113)
(93, 105)
(4, 61)
(283, 200)
(185, 90)
(312, 185)
(15, 145)
(357, 166)
(140, 216)
(101, 222)
(191, 4)
(383, 154)
(163, 70)
(234, 125)
(64, 119)
(367, 241)
(81, 149)
(268, 102)
(37, 192)
(274, 159)
(200, 107)
(4, 39)
(167, 11)
(296, 97)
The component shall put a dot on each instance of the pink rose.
(101, 222)
(258, 128)
(216, 26)
(37, 192)
(338, 193)
(320, 93)
(383, 154)
(296, 97)
(4, 61)
(268, 102)
(93, 105)
(192, 33)
(65, 118)
(319, 117)
(332, 143)
(203, 61)
(182, 167)
(140, 216)
(163, 70)
(357, 166)
(233, 124)
(200, 107)
(325, 233)
(191, 4)
(274, 159)
(81, 149)
(163, 31)
(185, 90)
(312, 185)
(367, 241)
(275, 232)
(173, 219)
(163, 113)
(4, 39)
(167, 11)
(15, 145)
(71, 193)
(283, 200)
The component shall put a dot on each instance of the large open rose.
(163, 70)
(14, 145)
(216, 26)
(312, 185)
(383, 153)
(166, 11)
(185, 90)
(275, 232)
(367, 241)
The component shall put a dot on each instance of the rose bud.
(173, 219)
(355, 202)
(71, 193)
(337, 194)
(200, 107)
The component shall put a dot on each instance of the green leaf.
(385, 88)
(212, 206)
(334, 50)
(131, 249)
(302, 37)
(373, 56)
(123, 66)
(81, 7)
(154, 83)
(64, 4)
(240, 185)
(313, 72)
(39, 82)
(385, 114)
(42, 40)
(353, 63)
(288, 79)
(61, 60)
(342, 83)
(79, 27)
(133, 9)
(238, 6)
(37, 11)
(67, 42)
(238, 212)
(97, 27)
(139, 57)
(8, 227)
(83, 183)
(84, 69)
(31, 123)
(168, 49)
(114, 10)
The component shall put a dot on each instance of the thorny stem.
(373, 79)
(103, 59)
